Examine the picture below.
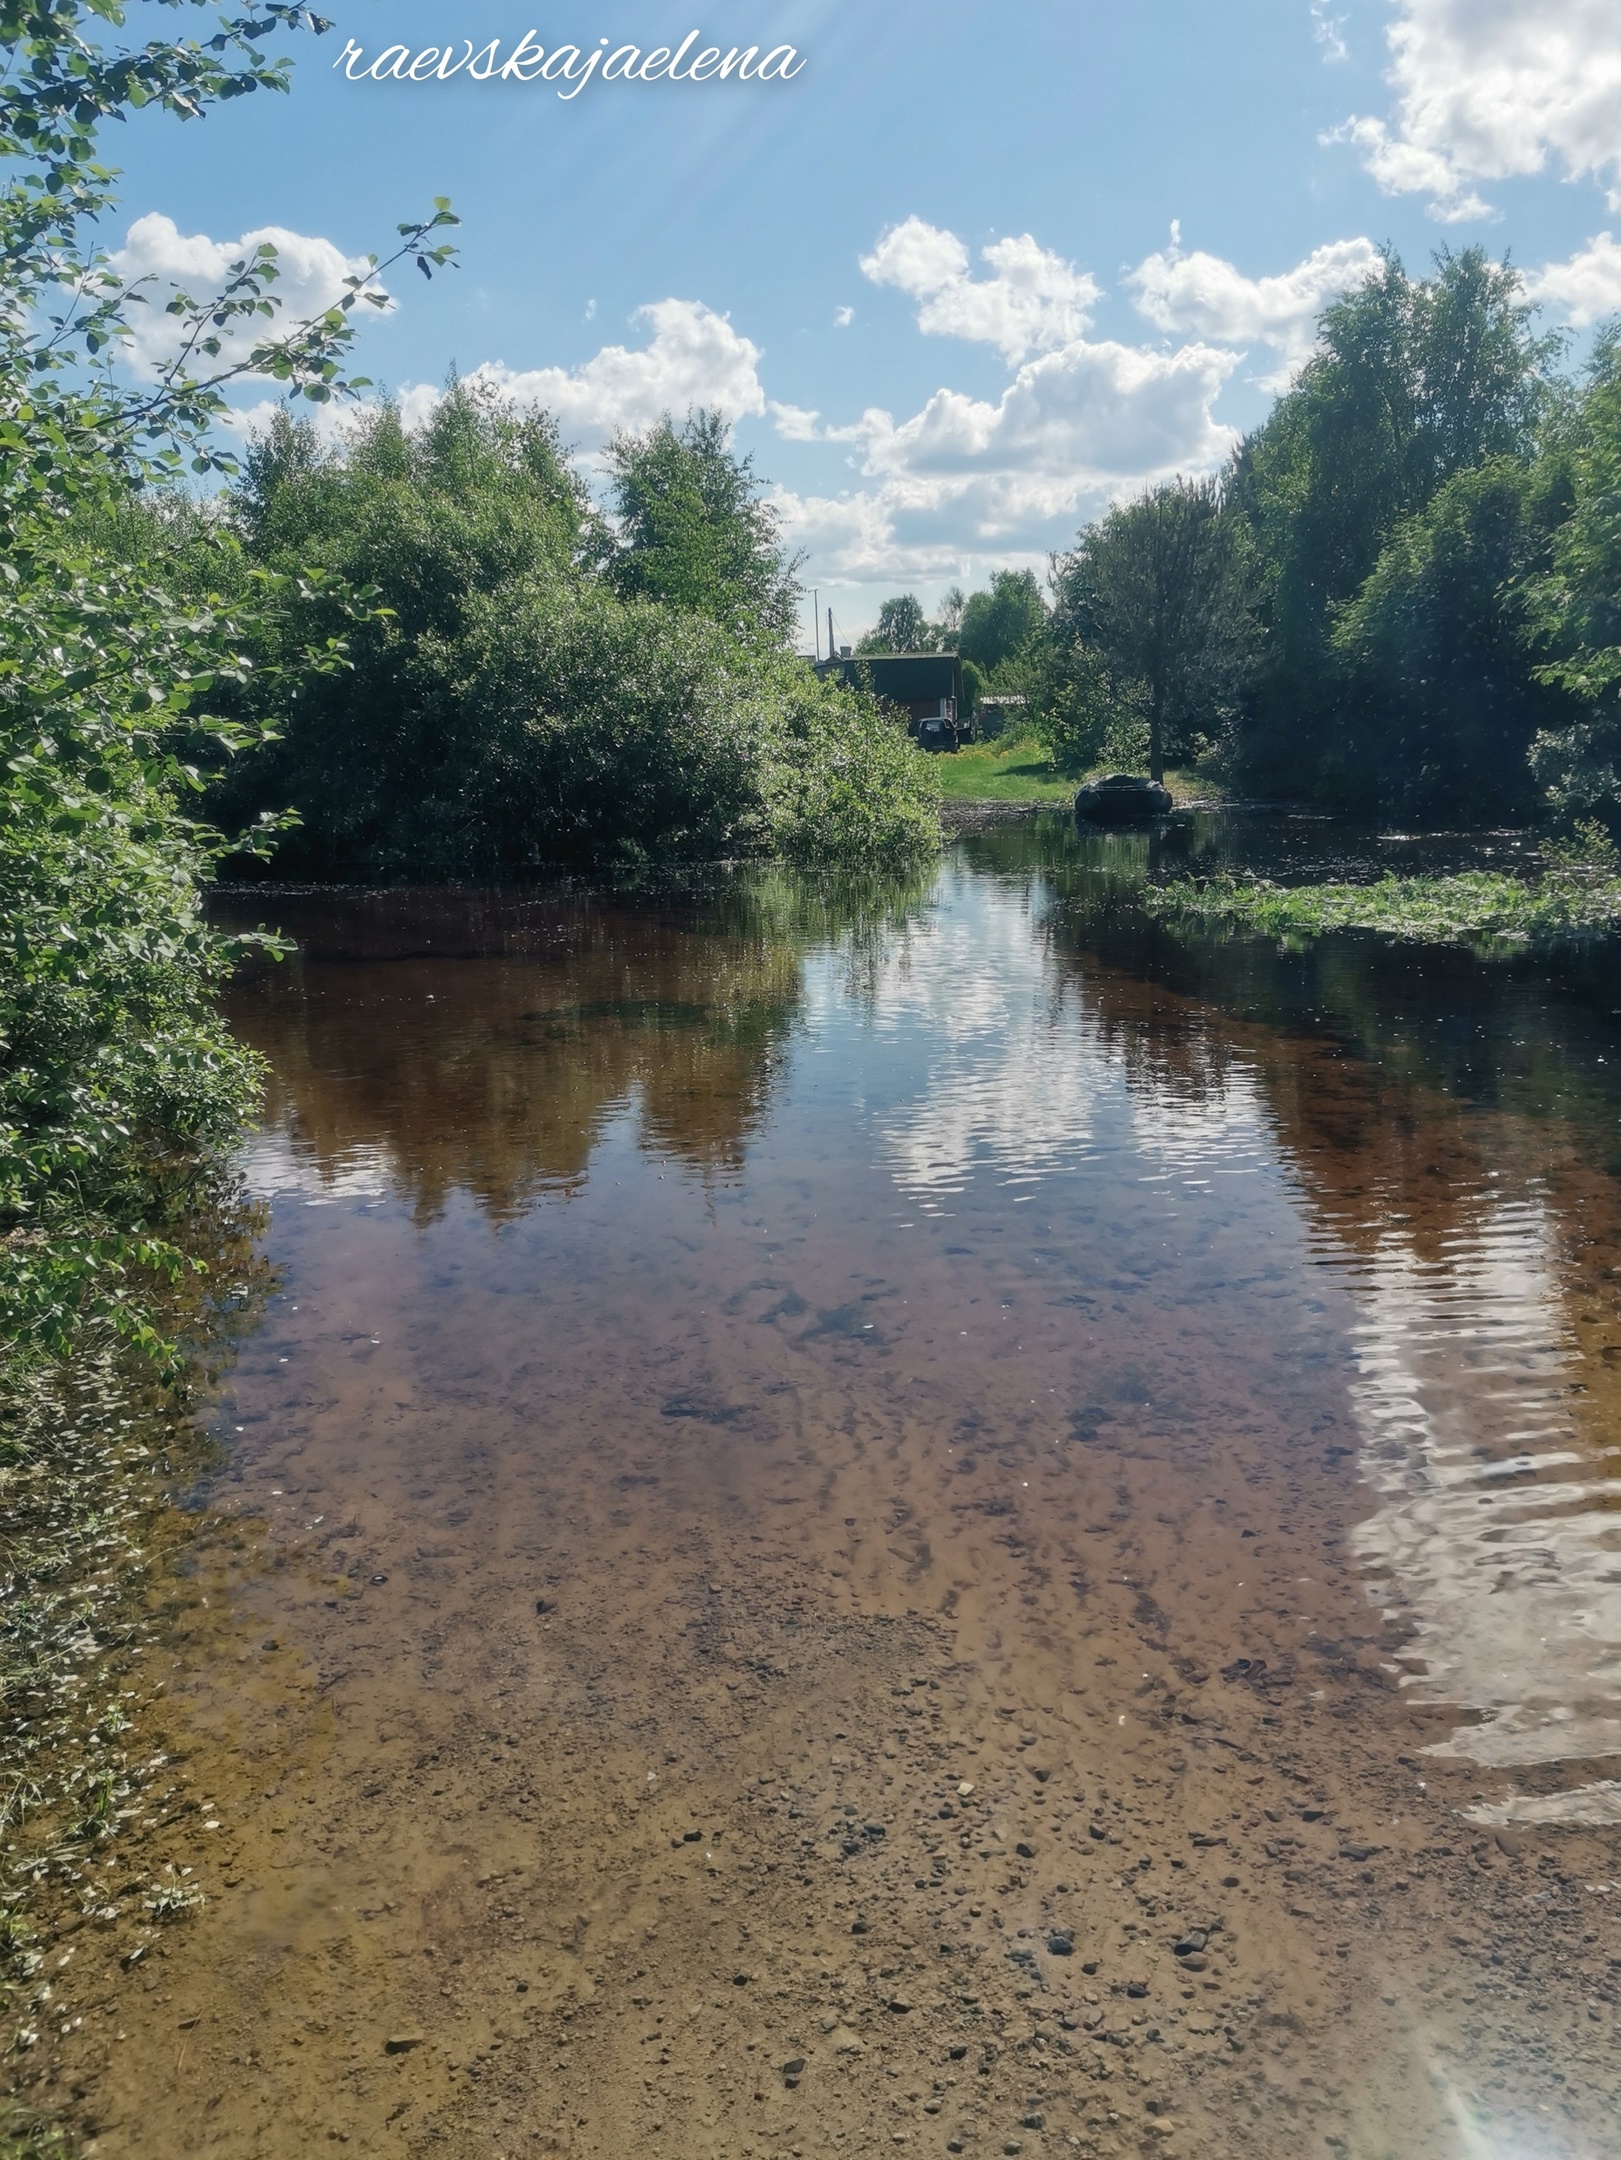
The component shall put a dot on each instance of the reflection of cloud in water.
(276, 1166)
(1022, 1113)
(1222, 1130)
(1025, 1078)
(1493, 1538)
(1490, 1539)
(1590, 1804)
(1008, 1089)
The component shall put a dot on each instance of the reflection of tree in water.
(480, 1042)
(1451, 1128)
(1380, 1065)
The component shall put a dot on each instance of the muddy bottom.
(890, 1524)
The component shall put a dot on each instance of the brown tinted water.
(915, 1520)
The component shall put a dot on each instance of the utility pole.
(816, 622)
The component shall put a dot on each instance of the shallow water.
(755, 1361)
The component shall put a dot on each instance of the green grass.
(1481, 908)
(27, 2136)
(997, 772)
(1023, 772)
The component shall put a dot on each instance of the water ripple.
(1506, 1568)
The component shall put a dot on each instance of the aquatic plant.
(1572, 902)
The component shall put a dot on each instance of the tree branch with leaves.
(119, 698)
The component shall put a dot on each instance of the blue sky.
(811, 255)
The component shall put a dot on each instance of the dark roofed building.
(926, 686)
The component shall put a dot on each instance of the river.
(924, 1517)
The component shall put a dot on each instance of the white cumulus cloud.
(312, 275)
(1404, 167)
(1494, 90)
(1583, 288)
(334, 423)
(1032, 301)
(1213, 299)
(1085, 417)
(967, 481)
(964, 481)
(794, 423)
(692, 357)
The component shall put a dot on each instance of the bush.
(528, 687)
(595, 729)
(846, 785)
(116, 1070)
(589, 728)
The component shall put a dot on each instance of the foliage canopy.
(533, 683)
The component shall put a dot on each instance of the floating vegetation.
(1575, 900)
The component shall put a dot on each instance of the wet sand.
(866, 1549)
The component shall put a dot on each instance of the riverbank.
(1018, 772)
(1021, 774)
(100, 1838)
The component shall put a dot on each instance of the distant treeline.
(1403, 596)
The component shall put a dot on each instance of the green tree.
(509, 703)
(902, 627)
(429, 522)
(996, 627)
(1154, 606)
(974, 686)
(1441, 698)
(1576, 609)
(692, 529)
(1411, 382)
(1078, 710)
